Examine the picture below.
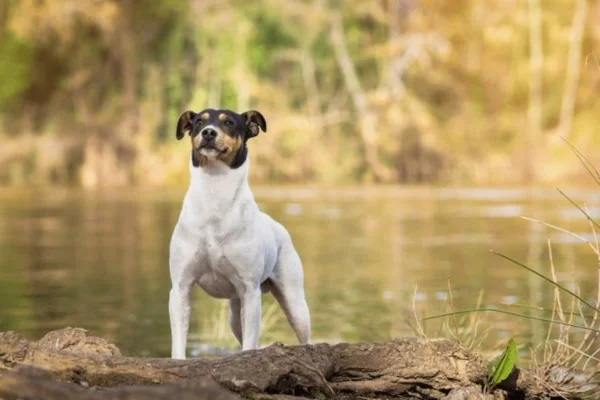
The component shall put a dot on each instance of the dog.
(223, 242)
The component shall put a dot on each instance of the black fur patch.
(195, 159)
(241, 156)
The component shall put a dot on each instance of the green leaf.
(501, 367)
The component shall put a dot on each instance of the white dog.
(223, 242)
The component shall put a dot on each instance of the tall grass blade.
(542, 309)
(587, 164)
(487, 309)
(579, 208)
(558, 285)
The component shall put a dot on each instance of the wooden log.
(74, 362)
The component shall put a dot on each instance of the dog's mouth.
(211, 151)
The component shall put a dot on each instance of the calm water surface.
(99, 260)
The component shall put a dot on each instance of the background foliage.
(353, 91)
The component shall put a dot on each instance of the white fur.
(225, 244)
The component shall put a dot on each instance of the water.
(98, 260)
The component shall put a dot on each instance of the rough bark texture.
(69, 364)
(28, 383)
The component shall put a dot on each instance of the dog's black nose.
(209, 133)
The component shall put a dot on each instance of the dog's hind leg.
(235, 319)
(288, 289)
(179, 313)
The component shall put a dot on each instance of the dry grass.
(567, 363)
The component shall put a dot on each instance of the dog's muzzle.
(206, 142)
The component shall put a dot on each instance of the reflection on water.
(99, 260)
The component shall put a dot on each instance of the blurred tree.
(573, 68)
(354, 91)
(534, 111)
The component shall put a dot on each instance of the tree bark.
(27, 383)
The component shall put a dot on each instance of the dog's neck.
(218, 186)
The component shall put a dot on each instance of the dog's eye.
(228, 123)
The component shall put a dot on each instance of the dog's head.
(220, 134)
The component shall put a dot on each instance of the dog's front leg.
(179, 313)
(250, 318)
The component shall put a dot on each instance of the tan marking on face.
(233, 145)
(222, 117)
(205, 115)
(196, 141)
(202, 160)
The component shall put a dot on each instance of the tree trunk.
(534, 111)
(573, 68)
(4, 10)
(129, 68)
(364, 114)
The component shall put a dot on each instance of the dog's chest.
(216, 243)
(224, 248)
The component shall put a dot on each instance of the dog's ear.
(184, 123)
(254, 121)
